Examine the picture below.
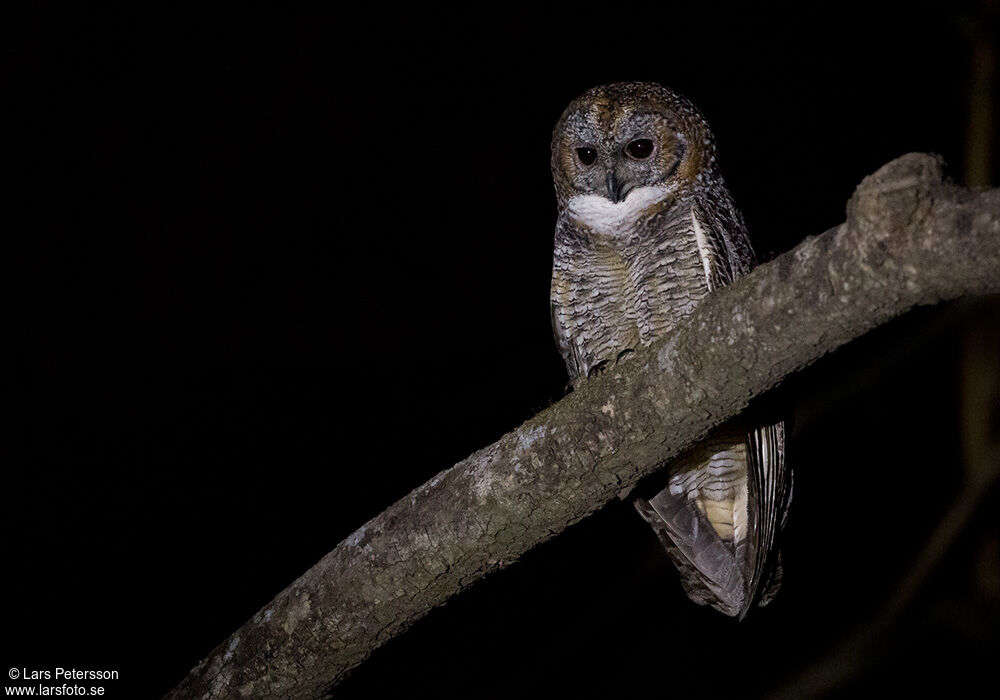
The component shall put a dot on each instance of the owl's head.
(616, 138)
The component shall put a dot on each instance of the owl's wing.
(752, 573)
(723, 241)
(770, 492)
(562, 341)
(558, 290)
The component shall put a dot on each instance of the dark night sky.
(276, 268)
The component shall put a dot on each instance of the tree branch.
(910, 239)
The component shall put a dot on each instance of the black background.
(274, 268)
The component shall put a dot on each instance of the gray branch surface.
(910, 239)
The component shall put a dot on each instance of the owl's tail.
(719, 517)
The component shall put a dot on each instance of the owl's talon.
(598, 369)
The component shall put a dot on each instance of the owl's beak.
(616, 188)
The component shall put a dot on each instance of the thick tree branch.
(910, 239)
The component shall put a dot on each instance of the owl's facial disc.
(611, 154)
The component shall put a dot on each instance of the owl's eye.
(587, 155)
(639, 149)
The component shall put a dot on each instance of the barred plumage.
(646, 229)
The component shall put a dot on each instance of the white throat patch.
(603, 216)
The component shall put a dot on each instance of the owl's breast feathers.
(624, 274)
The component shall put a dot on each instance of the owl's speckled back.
(646, 229)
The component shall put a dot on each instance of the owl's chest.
(613, 293)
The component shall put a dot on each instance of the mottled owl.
(646, 229)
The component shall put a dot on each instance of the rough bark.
(910, 239)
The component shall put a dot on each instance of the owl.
(646, 229)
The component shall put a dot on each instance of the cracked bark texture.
(910, 239)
